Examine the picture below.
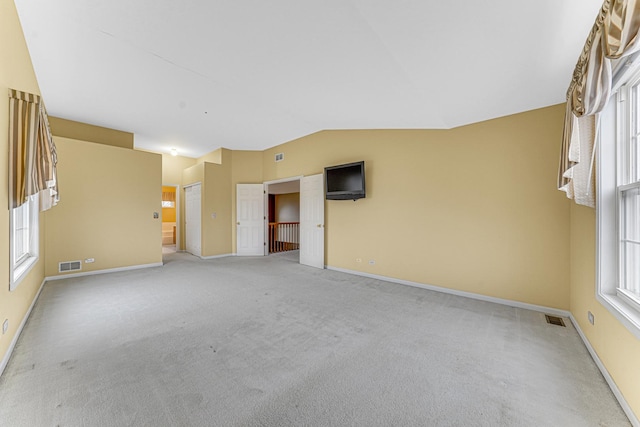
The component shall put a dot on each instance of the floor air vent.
(554, 320)
(63, 267)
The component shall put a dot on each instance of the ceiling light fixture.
(174, 152)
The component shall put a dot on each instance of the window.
(24, 240)
(618, 201)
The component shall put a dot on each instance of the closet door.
(193, 219)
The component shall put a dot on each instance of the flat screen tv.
(345, 182)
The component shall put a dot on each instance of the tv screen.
(345, 182)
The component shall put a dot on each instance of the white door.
(250, 219)
(312, 221)
(192, 221)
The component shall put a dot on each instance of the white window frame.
(612, 179)
(19, 270)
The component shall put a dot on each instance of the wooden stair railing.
(284, 236)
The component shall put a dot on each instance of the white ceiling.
(250, 74)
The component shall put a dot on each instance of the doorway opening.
(170, 215)
(283, 225)
(252, 208)
(284, 217)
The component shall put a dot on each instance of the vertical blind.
(613, 37)
(32, 153)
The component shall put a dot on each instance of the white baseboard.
(511, 303)
(563, 313)
(7, 356)
(216, 256)
(108, 270)
(612, 385)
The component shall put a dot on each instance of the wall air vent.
(554, 320)
(67, 266)
(279, 157)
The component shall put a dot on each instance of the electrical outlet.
(89, 260)
(591, 317)
(372, 261)
(5, 326)
(358, 259)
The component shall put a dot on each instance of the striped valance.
(168, 196)
(613, 36)
(32, 153)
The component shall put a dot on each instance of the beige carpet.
(268, 342)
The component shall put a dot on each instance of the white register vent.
(66, 266)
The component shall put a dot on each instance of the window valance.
(613, 36)
(32, 152)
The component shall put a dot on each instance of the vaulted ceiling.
(250, 74)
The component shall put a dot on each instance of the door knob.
(238, 223)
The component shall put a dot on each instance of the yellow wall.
(172, 167)
(216, 193)
(246, 168)
(473, 209)
(169, 214)
(85, 132)
(288, 207)
(108, 197)
(480, 197)
(216, 156)
(618, 349)
(215, 182)
(16, 72)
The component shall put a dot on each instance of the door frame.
(178, 225)
(184, 187)
(266, 204)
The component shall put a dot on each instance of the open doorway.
(252, 208)
(170, 214)
(283, 208)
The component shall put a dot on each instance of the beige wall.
(288, 207)
(172, 167)
(108, 197)
(16, 72)
(618, 349)
(216, 210)
(473, 209)
(216, 156)
(215, 180)
(85, 132)
(246, 168)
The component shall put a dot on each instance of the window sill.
(621, 310)
(21, 271)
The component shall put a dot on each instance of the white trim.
(281, 180)
(14, 341)
(216, 256)
(19, 272)
(191, 185)
(108, 270)
(511, 303)
(612, 385)
(610, 156)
